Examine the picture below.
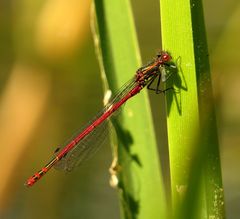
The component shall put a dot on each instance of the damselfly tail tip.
(29, 182)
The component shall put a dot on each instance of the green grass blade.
(140, 186)
(193, 144)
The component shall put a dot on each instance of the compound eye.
(166, 57)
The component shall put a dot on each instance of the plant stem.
(140, 186)
(193, 143)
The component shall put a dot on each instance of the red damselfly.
(81, 146)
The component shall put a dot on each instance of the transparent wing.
(85, 149)
(166, 72)
(90, 144)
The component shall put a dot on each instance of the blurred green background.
(50, 86)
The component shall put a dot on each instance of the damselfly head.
(164, 56)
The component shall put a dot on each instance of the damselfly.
(81, 146)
